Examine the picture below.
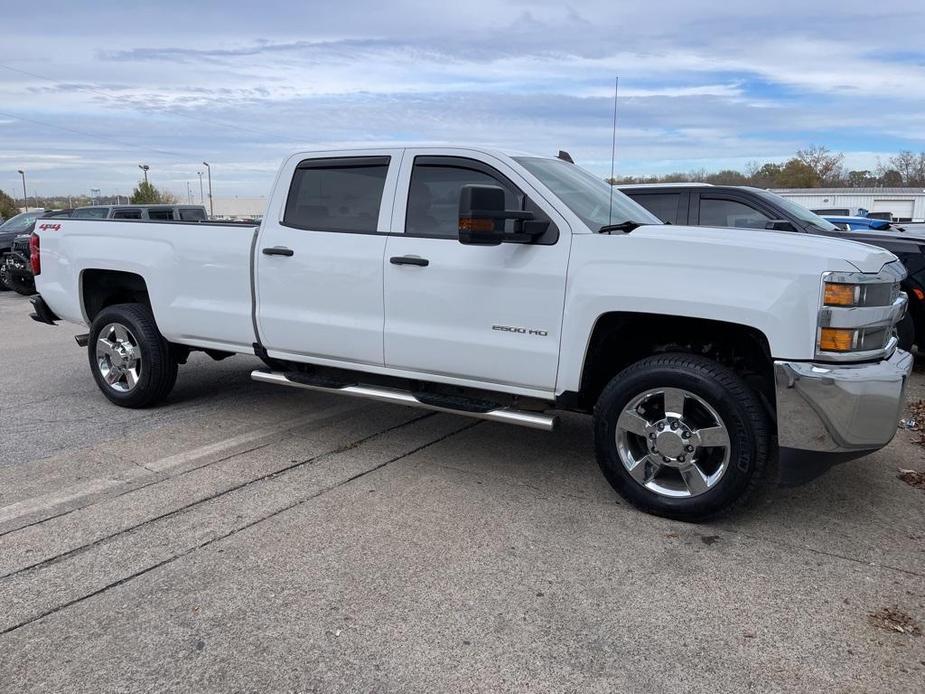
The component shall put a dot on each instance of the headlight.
(859, 313)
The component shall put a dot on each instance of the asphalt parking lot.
(251, 538)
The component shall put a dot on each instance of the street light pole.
(189, 194)
(25, 198)
(202, 198)
(211, 206)
(144, 168)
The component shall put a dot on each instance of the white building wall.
(238, 207)
(897, 203)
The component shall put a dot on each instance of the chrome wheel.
(118, 357)
(672, 442)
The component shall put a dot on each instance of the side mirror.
(779, 225)
(482, 215)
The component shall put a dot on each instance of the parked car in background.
(702, 204)
(847, 223)
(13, 227)
(163, 213)
(507, 287)
(15, 266)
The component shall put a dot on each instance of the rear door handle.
(279, 250)
(409, 260)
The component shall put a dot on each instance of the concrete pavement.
(250, 538)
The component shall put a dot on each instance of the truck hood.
(862, 256)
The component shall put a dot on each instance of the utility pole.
(145, 167)
(189, 194)
(211, 206)
(202, 198)
(25, 198)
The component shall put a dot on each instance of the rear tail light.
(35, 254)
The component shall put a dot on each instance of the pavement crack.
(289, 468)
(826, 553)
(250, 524)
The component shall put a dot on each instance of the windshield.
(588, 196)
(20, 222)
(796, 210)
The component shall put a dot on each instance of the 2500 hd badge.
(522, 331)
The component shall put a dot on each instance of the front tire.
(129, 358)
(4, 277)
(20, 286)
(681, 436)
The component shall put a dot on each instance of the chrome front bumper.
(837, 408)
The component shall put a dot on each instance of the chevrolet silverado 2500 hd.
(507, 287)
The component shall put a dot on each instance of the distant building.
(896, 204)
(238, 207)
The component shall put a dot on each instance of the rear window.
(162, 214)
(193, 214)
(91, 212)
(337, 194)
(127, 213)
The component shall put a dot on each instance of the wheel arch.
(100, 288)
(621, 338)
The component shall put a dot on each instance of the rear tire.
(681, 436)
(129, 358)
(4, 277)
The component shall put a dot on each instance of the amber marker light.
(837, 339)
(841, 294)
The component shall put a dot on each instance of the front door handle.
(409, 260)
(279, 250)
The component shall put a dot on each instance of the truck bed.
(198, 274)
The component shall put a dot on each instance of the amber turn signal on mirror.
(476, 224)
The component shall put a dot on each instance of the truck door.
(319, 258)
(475, 313)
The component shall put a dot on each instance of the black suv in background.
(702, 204)
(15, 265)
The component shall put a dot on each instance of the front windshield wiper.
(626, 227)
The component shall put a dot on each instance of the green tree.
(8, 207)
(798, 174)
(726, 177)
(764, 175)
(860, 179)
(891, 178)
(146, 194)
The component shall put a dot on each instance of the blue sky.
(90, 89)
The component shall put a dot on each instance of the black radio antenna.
(613, 148)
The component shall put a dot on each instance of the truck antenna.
(613, 148)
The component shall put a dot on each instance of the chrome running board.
(531, 420)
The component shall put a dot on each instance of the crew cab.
(746, 207)
(508, 288)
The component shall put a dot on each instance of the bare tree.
(826, 164)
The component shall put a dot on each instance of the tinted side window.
(92, 212)
(163, 214)
(662, 205)
(433, 198)
(337, 194)
(192, 214)
(132, 213)
(729, 213)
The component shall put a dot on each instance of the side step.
(532, 420)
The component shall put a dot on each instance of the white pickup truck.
(507, 287)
